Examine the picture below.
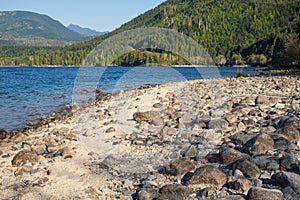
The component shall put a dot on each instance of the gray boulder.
(180, 166)
(24, 157)
(290, 127)
(285, 179)
(229, 155)
(247, 167)
(260, 144)
(207, 176)
(174, 191)
(257, 193)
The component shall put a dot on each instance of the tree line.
(252, 32)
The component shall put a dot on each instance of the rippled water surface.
(29, 93)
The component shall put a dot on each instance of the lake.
(31, 93)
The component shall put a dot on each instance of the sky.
(102, 15)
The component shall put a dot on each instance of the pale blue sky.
(102, 15)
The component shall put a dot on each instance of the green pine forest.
(255, 32)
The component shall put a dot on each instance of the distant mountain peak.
(85, 31)
(21, 27)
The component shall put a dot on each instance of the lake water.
(30, 93)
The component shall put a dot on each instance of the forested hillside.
(237, 31)
(23, 28)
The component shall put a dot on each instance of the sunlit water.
(30, 93)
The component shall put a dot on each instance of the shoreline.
(143, 141)
(100, 95)
(63, 113)
(235, 66)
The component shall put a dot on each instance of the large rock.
(207, 176)
(142, 117)
(290, 194)
(285, 179)
(3, 134)
(260, 144)
(229, 155)
(180, 166)
(289, 162)
(242, 185)
(281, 142)
(248, 168)
(145, 116)
(262, 100)
(147, 194)
(266, 162)
(257, 193)
(175, 191)
(241, 138)
(24, 157)
(290, 127)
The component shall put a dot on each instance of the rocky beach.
(227, 139)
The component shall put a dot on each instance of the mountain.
(84, 31)
(22, 27)
(234, 29)
(222, 27)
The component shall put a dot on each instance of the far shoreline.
(172, 66)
